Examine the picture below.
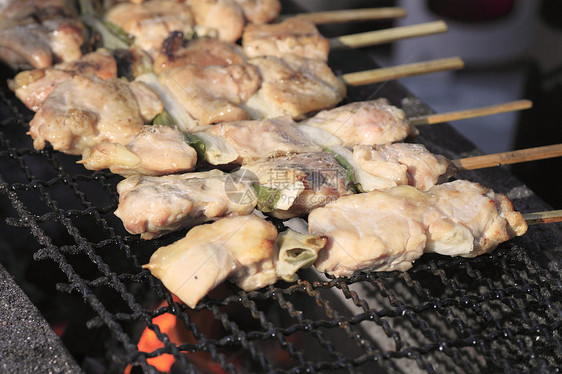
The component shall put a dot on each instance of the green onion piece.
(296, 251)
(267, 197)
(111, 41)
(164, 118)
(119, 32)
(349, 172)
(196, 144)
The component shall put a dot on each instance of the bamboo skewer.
(387, 35)
(506, 158)
(350, 15)
(471, 113)
(543, 217)
(401, 71)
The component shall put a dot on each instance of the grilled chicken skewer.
(286, 186)
(368, 123)
(301, 37)
(151, 22)
(38, 33)
(389, 230)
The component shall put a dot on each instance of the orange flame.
(149, 342)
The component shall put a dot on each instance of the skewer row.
(355, 79)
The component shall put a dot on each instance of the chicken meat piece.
(153, 206)
(224, 16)
(388, 230)
(151, 22)
(260, 11)
(364, 123)
(32, 87)
(298, 183)
(155, 150)
(293, 35)
(259, 139)
(86, 110)
(212, 94)
(38, 33)
(404, 163)
(239, 248)
(294, 86)
(201, 51)
(487, 219)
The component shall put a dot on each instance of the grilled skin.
(86, 110)
(38, 33)
(153, 206)
(295, 36)
(239, 248)
(152, 21)
(364, 123)
(155, 150)
(32, 87)
(389, 230)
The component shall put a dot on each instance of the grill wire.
(498, 312)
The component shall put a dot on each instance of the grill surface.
(498, 312)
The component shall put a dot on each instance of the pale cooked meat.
(258, 139)
(404, 163)
(32, 87)
(155, 150)
(488, 216)
(371, 231)
(388, 230)
(153, 206)
(240, 248)
(224, 16)
(260, 11)
(294, 86)
(151, 21)
(85, 110)
(292, 35)
(364, 123)
(38, 33)
(200, 51)
(212, 94)
(305, 181)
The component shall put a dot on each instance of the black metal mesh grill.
(498, 312)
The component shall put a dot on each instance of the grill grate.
(498, 312)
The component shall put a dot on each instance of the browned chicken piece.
(259, 139)
(239, 248)
(32, 87)
(260, 11)
(364, 123)
(153, 206)
(38, 33)
(202, 52)
(86, 110)
(151, 22)
(155, 150)
(212, 94)
(388, 230)
(224, 16)
(404, 163)
(294, 86)
(293, 35)
(298, 183)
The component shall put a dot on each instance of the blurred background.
(512, 50)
